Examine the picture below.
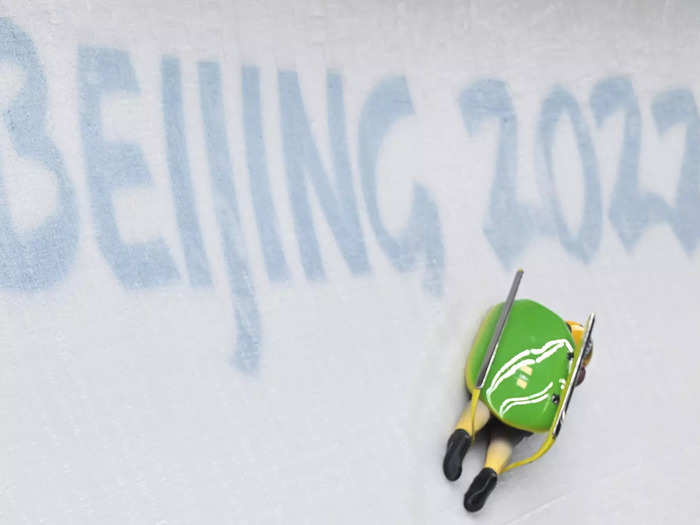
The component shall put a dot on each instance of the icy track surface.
(244, 247)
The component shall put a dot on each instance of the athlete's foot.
(457, 447)
(480, 489)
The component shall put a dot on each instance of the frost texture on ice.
(244, 248)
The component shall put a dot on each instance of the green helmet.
(532, 362)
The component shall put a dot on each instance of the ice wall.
(243, 247)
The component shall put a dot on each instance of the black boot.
(480, 489)
(457, 447)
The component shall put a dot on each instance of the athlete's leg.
(461, 438)
(502, 441)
